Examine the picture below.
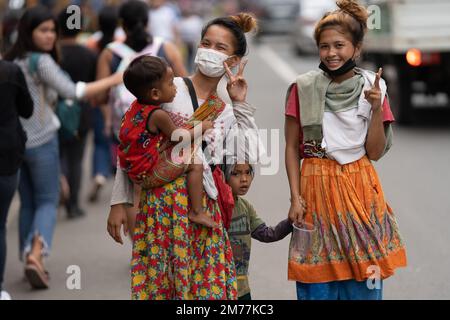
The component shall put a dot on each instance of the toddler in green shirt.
(245, 225)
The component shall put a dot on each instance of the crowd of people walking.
(152, 69)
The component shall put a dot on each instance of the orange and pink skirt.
(356, 233)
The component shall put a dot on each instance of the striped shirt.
(45, 85)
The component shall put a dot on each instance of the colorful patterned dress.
(174, 258)
(356, 233)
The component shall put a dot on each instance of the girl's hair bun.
(245, 21)
(354, 9)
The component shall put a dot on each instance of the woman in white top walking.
(35, 52)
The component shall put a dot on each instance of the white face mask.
(210, 62)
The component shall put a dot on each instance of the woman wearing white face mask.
(210, 62)
(172, 258)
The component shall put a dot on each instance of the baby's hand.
(206, 125)
(164, 145)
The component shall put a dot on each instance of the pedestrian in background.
(74, 55)
(338, 119)
(163, 20)
(15, 102)
(35, 52)
(189, 27)
(102, 165)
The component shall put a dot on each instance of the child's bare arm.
(162, 121)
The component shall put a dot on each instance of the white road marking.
(281, 68)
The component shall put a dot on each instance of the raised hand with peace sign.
(237, 85)
(374, 94)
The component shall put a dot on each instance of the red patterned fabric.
(225, 197)
(138, 149)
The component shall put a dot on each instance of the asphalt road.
(414, 175)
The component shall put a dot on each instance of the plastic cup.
(302, 238)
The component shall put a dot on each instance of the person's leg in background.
(27, 206)
(8, 186)
(75, 153)
(64, 176)
(102, 155)
(318, 291)
(43, 164)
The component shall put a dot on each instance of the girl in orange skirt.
(338, 119)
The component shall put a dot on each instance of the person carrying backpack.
(102, 164)
(35, 52)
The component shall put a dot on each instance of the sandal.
(99, 182)
(37, 276)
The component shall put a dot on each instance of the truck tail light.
(417, 58)
(414, 57)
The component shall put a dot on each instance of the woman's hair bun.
(245, 21)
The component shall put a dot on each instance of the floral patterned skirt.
(175, 259)
(356, 234)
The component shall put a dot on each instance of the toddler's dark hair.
(144, 74)
(229, 168)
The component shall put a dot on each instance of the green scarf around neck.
(345, 95)
(318, 94)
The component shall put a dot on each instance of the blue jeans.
(338, 290)
(102, 147)
(39, 195)
(8, 185)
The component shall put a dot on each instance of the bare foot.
(201, 217)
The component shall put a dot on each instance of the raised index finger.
(377, 78)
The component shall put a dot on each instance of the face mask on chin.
(346, 67)
(210, 62)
